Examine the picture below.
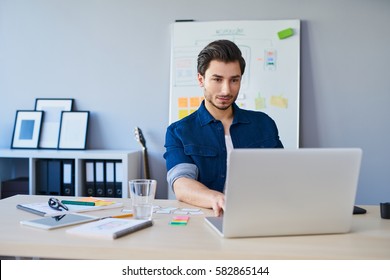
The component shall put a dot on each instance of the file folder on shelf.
(110, 178)
(68, 181)
(90, 178)
(54, 177)
(41, 176)
(118, 178)
(103, 178)
(100, 186)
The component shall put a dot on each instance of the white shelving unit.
(21, 162)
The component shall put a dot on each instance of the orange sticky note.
(195, 101)
(182, 102)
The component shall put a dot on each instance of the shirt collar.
(205, 117)
(239, 115)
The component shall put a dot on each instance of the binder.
(90, 178)
(118, 178)
(41, 176)
(100, 186)
(110, 178)
(54, 177)
(67, 186)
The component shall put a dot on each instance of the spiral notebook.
(110, 228)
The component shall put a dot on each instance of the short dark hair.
(221, 50)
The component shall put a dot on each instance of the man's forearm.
(195, 193)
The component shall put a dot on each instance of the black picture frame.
(52, 121)
(27, 129)
(73, 130)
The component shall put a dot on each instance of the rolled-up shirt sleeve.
(187, 170)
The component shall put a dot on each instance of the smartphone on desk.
(59, 221)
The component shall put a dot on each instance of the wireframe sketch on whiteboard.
(271, 79)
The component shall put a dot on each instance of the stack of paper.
(43, 208)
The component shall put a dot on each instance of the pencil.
(120, 216)
(75, 202)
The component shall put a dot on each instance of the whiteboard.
(271, 80)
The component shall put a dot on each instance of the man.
(197, 147)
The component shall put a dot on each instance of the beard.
(221, 105)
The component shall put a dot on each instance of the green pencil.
(74, 202)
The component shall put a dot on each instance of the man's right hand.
(193, 192)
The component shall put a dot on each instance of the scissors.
(55, 204)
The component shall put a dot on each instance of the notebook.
(276, 192)
(110, 228)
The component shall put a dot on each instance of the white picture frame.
(73, 130)
(51, 123)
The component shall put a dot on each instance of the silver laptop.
(274, 192)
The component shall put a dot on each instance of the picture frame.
(27, 129)
(51, 123)
(73, 130)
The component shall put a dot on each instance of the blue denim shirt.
(199, 140)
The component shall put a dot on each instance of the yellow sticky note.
(260, 103)
(88, 199)
(279, 101)
(98, 202)
(103, 203)
(182, 114)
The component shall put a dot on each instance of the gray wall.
(112, 57)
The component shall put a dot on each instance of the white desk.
(369, 239)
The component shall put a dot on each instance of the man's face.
(221, 84)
